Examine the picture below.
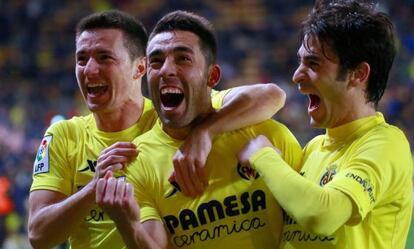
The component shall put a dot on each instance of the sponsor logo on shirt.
(287, 220)
(302, 236)
(91, 166)
(247, 172)
(214, 211)
(365, 183)
(329, 174)
(175, 188)
(292, 232)
(41, 164)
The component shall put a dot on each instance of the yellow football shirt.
(66, 161)
(370, 161)
(236, 210)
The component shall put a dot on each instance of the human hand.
(189, 162)
(251, 147)
(116, 198)
(114, 158)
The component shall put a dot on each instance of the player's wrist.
(204, 130)
(90, 190)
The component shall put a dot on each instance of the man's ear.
(140, 68)
(214, 75)
(360, 75)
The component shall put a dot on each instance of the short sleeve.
(372, 173)
(143, 180)
(51, 169)
(283, 139)
(217, 97)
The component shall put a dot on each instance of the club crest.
(247, 173)
(328, 175)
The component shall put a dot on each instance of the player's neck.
(181, 133)
(120, 119)
(178, 133)
(360, 110)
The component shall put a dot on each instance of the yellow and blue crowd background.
(257, 43)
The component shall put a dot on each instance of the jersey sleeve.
(217, 98)
(144, 181)
(51, 170)
(283, 139)
(321, 210)
(377, 168)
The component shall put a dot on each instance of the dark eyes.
(309, 63)
(81, 60)
(102, 58)
(155, 62)
(184, 58)
(159, 61)
(313, 63)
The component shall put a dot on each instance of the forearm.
(319, 210)
(244, 106)
(53, 223)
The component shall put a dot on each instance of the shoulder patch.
(41, 164)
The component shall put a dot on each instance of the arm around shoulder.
(321, 210)
(251, 104)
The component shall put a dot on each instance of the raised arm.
(321, 210)
(242, 106)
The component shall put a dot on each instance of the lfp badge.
(41, 164)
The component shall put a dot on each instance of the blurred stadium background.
(257, 43)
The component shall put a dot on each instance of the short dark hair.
(356, 32)
(135, 34)
(187, 21)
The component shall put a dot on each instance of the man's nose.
(169, 67)
(299, 75)
(91, 67)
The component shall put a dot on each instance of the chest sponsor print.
(192, 222)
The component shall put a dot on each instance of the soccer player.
(236, 210)
(355, 189)
(110, 63)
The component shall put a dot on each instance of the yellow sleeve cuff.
(265, 158)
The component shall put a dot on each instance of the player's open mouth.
(171, 97)
(96, 88)
(314, 102)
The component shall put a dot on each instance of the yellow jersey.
(370, 161)
(236, 210)
(66, 161)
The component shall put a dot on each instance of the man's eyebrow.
(79, 52)
(98, 51)
(155, 52)
(183, 49)
(158, 52)
(313, 57)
